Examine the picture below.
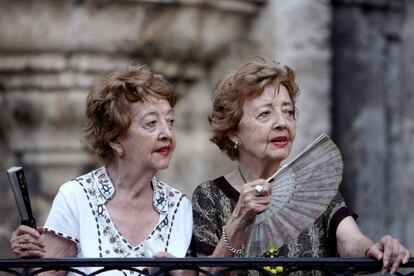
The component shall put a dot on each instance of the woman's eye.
(264, 114)
(171, 122)
(289, 112)
(151, 123)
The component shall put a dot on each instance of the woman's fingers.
(393, 253)
(258, 188)
(255, 206)
(374, 251)
(23, 229)
(26, 241)
(257, 193)
(253, 200)
(28, 246)
(400, 254)
(406, 256)
(26, 249)
(162, 254)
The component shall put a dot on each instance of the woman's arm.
(247, 208)
(29, 242)
(58, 247)
(208, 212)
(351, 242)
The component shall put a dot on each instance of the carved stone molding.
(186, 29)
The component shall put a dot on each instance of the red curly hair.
(108, 105)
(249, 81)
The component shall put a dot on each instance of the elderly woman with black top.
(254, 122)
(120, 209)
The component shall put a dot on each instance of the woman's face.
(267, 128)
(150, 139)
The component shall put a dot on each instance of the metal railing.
(330, 266)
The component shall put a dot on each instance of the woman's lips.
(280, 141)
(279, 144)
(164, 151)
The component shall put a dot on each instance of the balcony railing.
(330, 266)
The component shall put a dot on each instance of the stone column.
(402, 220)
(372, 112)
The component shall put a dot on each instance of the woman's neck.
(251, 170)
(132, 181)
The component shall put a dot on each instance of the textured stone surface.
(405, 169)
(372, 112)
(179, 29)
(360, 99)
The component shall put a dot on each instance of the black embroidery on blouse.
(79, 180)
(172, 223)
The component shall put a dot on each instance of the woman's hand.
(152, 270)
(391, 252)
(251, 202)
(352, 243)
(27, 242)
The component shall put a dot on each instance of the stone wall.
(372, 112)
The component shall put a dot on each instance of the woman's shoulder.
(209, 185)
(76, 185)
(161, 189)
(213, 190)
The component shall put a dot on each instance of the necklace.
(242, 176)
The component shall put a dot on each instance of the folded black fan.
(301, 192)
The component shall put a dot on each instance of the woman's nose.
(279, 121)
(166, 131)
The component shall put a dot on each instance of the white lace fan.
(301, 192)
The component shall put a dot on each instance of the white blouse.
(79, 214)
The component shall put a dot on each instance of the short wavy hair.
(249, 81)
(108, 105)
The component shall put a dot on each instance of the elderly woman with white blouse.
(120, 209)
